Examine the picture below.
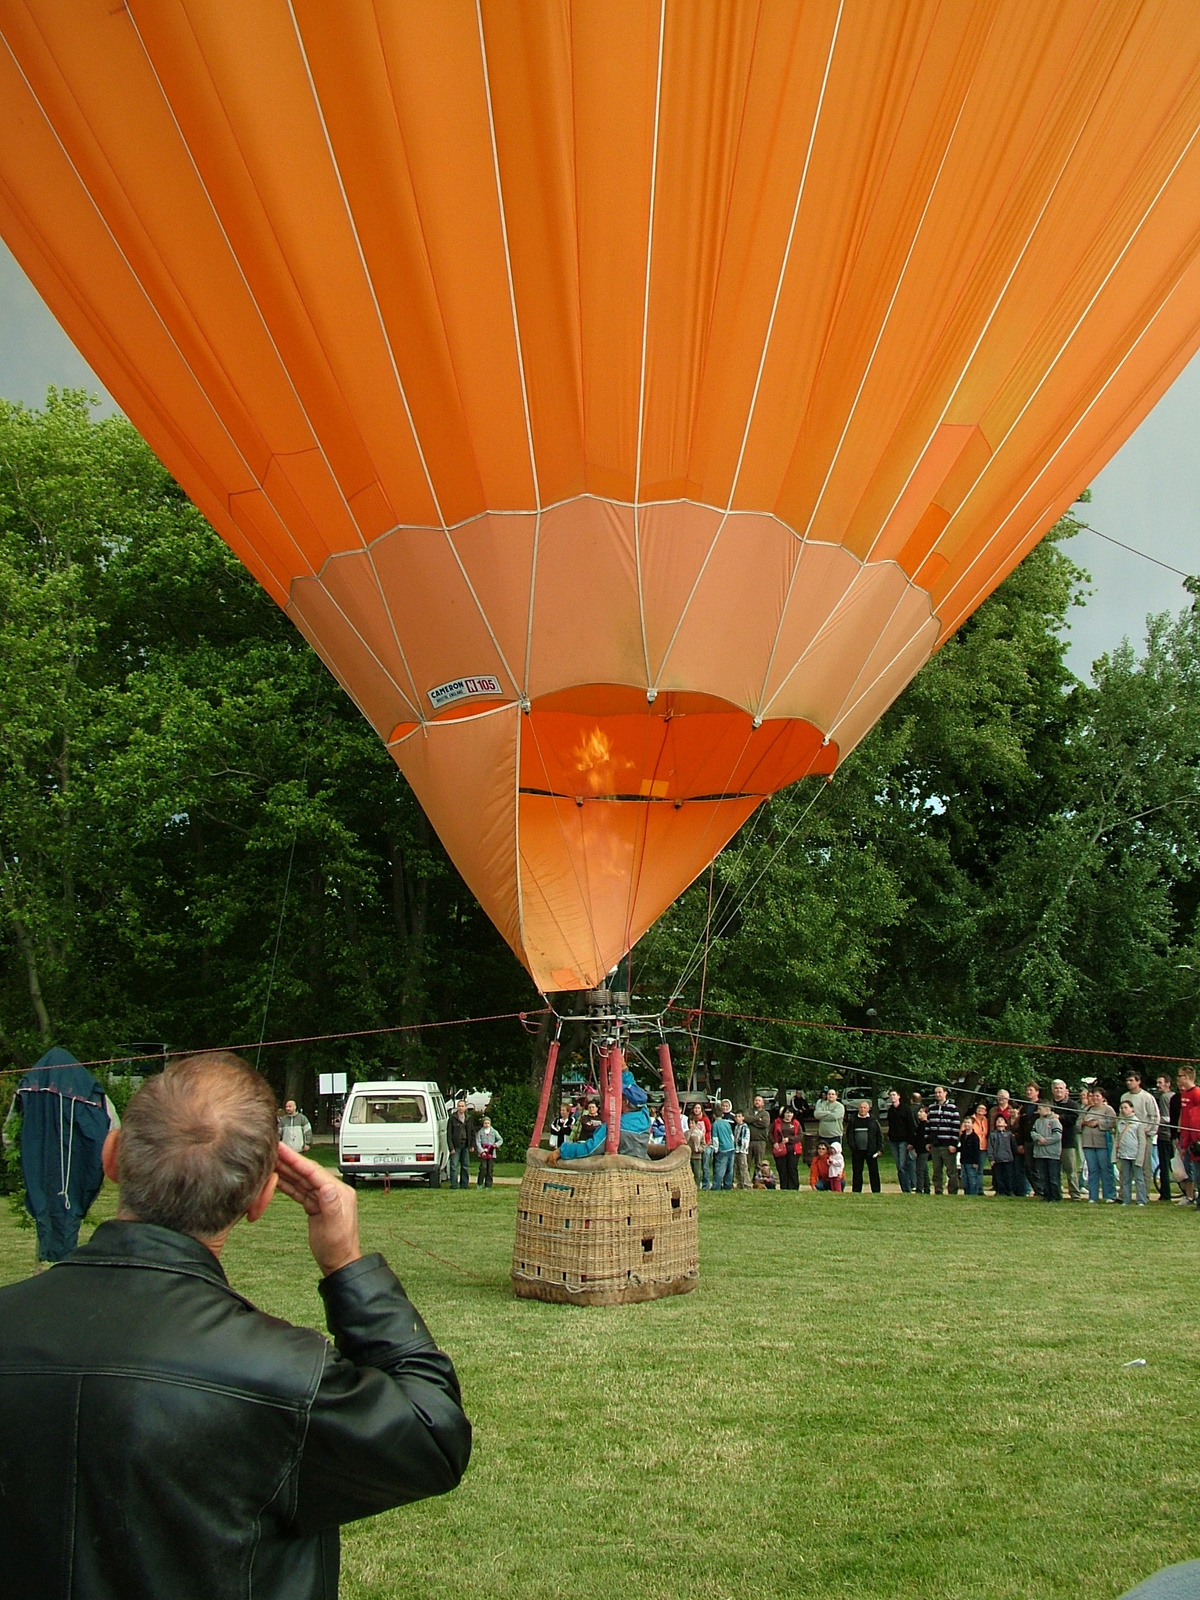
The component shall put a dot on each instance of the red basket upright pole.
(612, 1100)
(602, 1076)
(544, 1102)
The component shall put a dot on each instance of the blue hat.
(631, 1091)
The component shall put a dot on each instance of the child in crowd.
(970, 1157)
(1002, 1151)
(764, 1178)
(741, 1151)
(837, 1166)
(1129, 1147)
(697, 1142)
(1047, 1151)
(487, 1141)
(706, 1150)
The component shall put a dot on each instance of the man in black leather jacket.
(160, 1438)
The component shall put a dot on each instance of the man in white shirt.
(1148, 1114)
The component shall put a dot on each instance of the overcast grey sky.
(1147, 496)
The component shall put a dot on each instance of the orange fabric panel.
(746, 574)
(595, 876)
(613, 92)
(375, 679)
(441, 627)
(822, 580)
(432, 231)
(260, 77)
(901, 651)
(880, 611)
(113, 322)
(529, 54)
(931, 471)
(497, 558)
(413, 296)
(585, 605)
(706, 84)
(464, 775)
(761, 342)
(922, 539)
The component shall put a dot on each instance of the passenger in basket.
(635, 1129)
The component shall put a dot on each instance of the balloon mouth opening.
(608, 743)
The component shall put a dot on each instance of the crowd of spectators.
(1050, 1146)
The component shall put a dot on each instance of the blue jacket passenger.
(635, 1128)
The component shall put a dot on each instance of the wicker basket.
(606, 1231)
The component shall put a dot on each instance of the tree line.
(203, 843)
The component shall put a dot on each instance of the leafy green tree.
(201, 839)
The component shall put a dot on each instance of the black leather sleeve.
(386, 1424)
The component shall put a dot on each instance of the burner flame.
(595, 762)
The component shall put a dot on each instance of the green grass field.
(866, 1396)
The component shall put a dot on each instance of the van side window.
(388, 1108)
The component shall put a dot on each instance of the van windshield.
(388, 1108)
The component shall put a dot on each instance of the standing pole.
(547, 1086)
(602, 1075)
(674, 1117)
(612, 1100)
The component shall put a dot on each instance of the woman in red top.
(787, 1141)
(818, 1168)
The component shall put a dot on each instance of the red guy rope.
(692, 1014)
(311, 1038)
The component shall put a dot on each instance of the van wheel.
(350, 1179)
(435, 1178)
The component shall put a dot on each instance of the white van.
(393, 1130)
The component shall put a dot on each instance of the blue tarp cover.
(64, 1122)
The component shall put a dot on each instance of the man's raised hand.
(331, 1205)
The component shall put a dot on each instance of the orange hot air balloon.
(624, 397)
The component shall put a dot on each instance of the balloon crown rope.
(608, 1229)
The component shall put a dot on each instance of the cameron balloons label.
(465, 689)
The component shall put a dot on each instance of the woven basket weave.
(607, 1230)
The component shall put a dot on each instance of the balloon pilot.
(635, 1129)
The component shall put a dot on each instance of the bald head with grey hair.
(198, 1144)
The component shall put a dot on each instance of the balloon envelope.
(624, 398)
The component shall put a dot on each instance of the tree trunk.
(294, 1077)
(741, 1084)
(354, 939)
(35, 982)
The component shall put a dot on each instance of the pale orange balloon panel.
(624, 398)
